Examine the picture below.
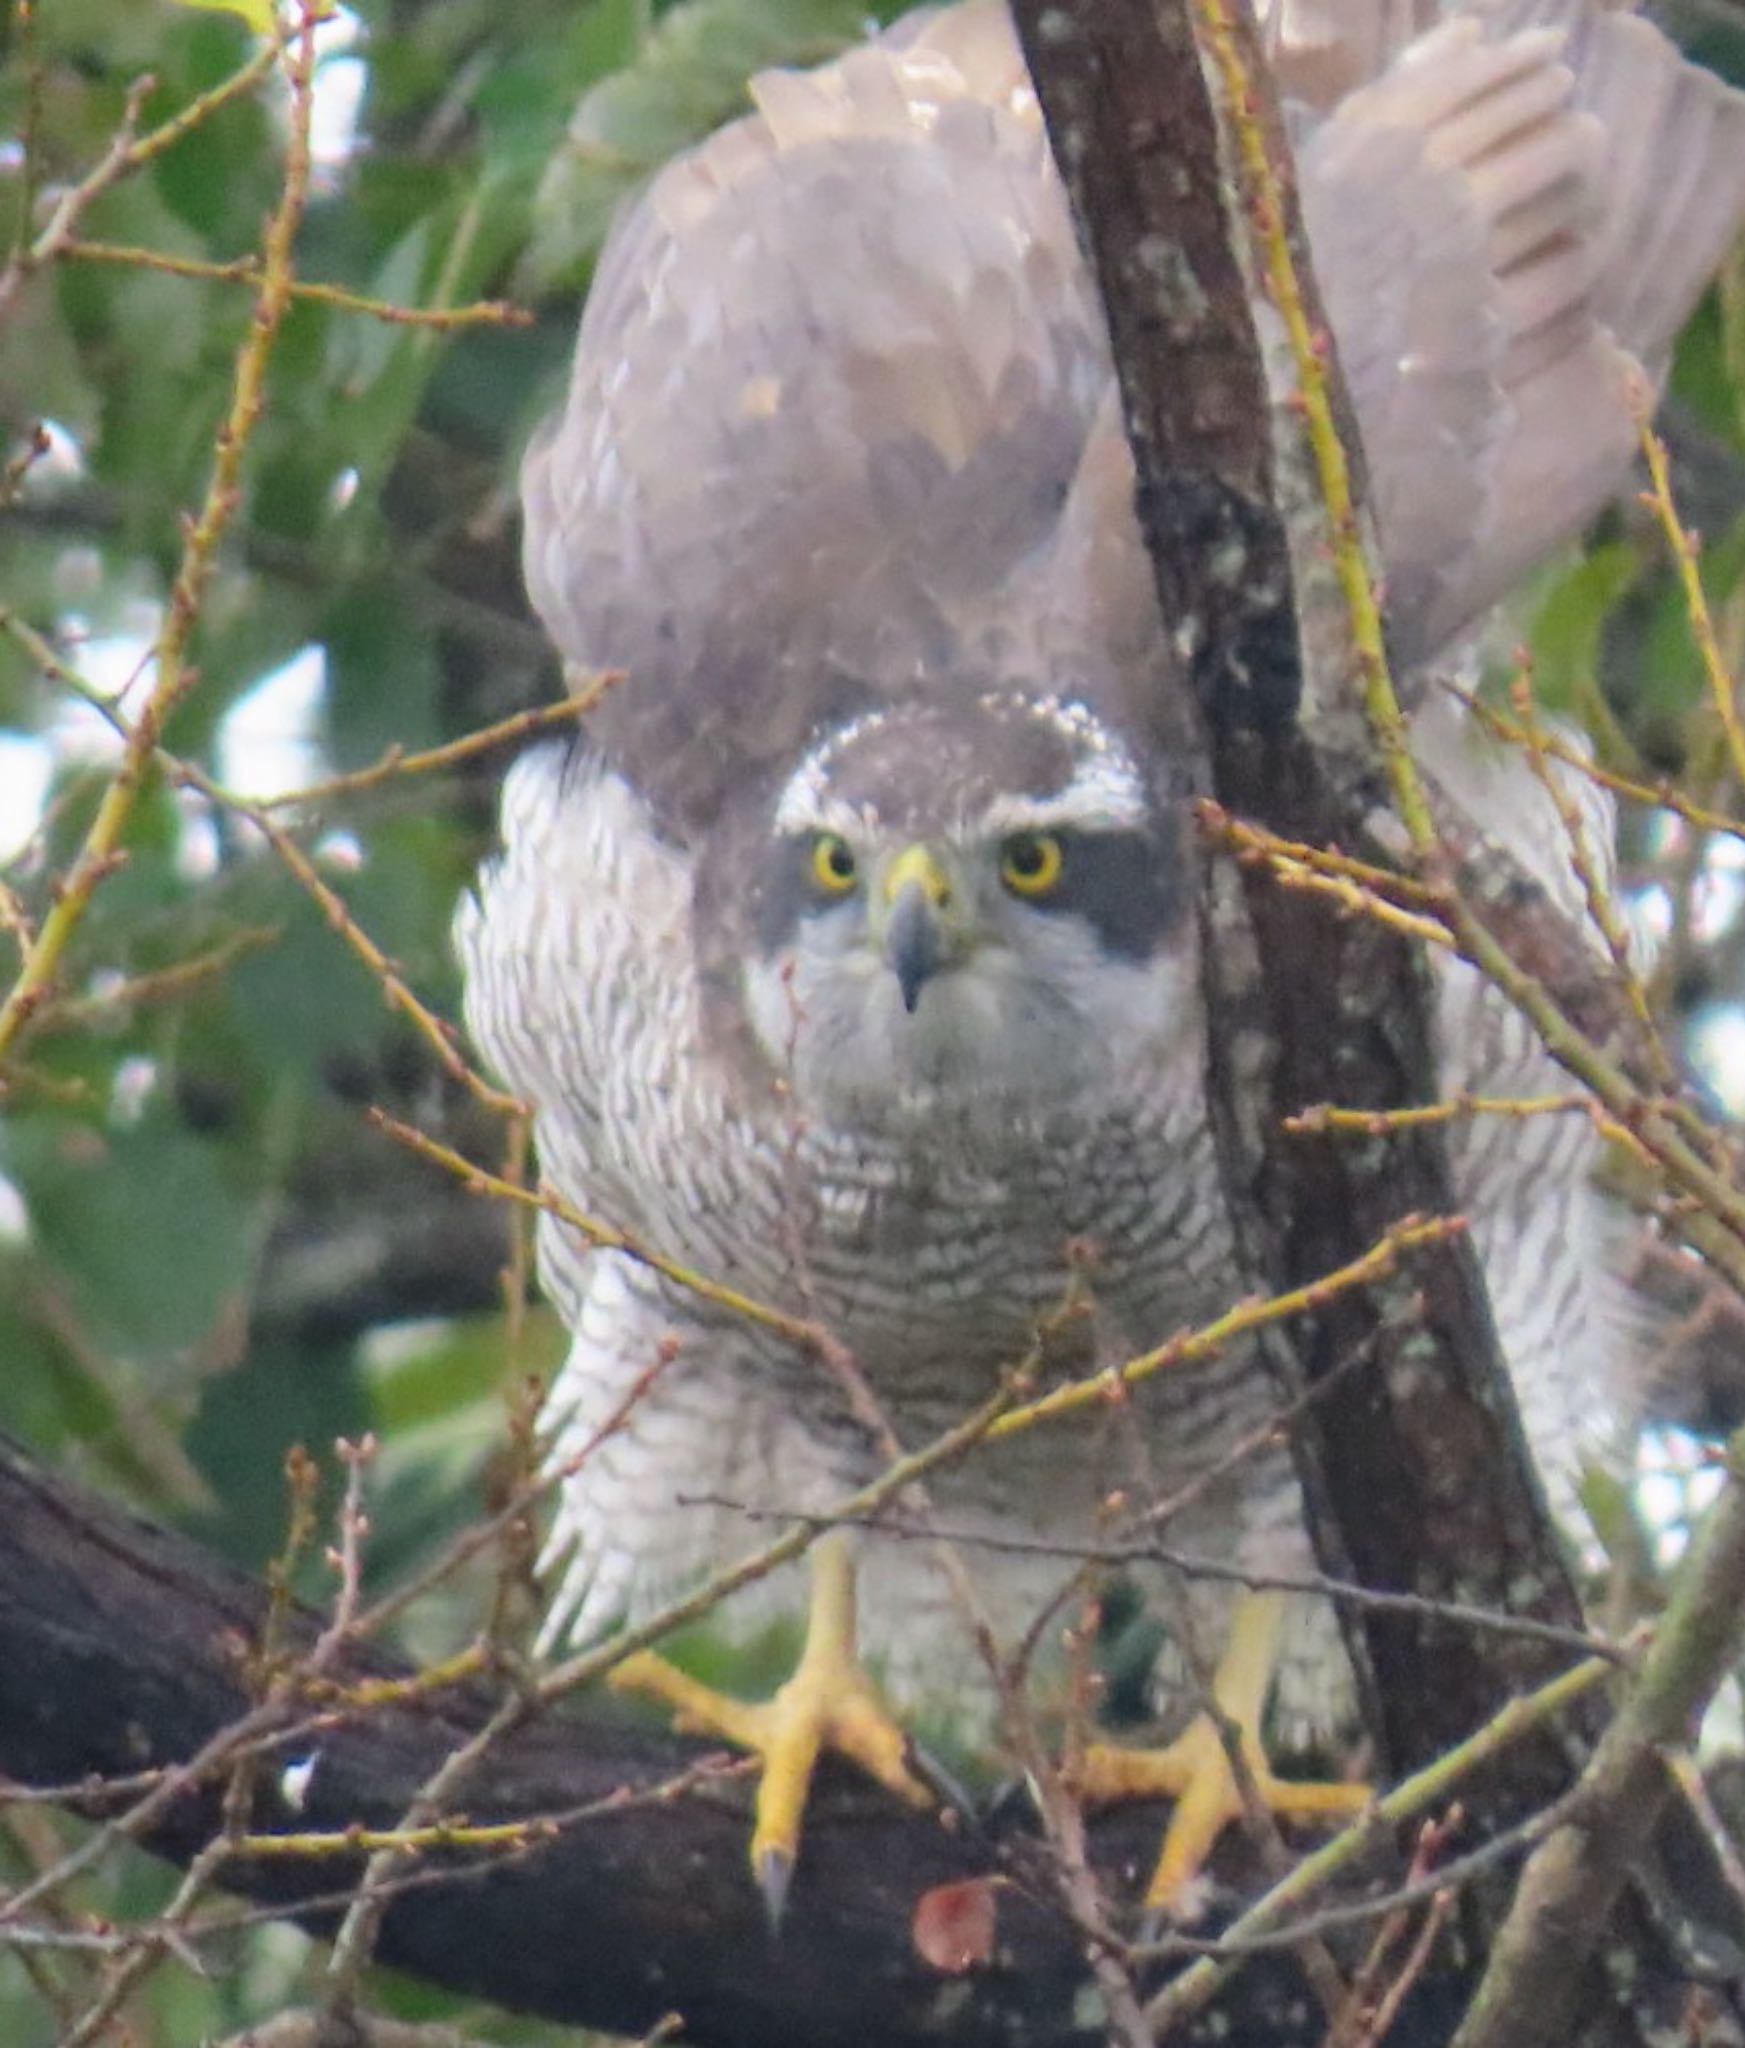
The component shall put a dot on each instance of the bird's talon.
(829, 1703)
(943, 1788)
(775, 1871)
(1196, 1772)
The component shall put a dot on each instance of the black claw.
(775, 1871)
(938, 1780)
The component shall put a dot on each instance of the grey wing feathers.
(1509, 225)
(832, 384)
(1323, 49)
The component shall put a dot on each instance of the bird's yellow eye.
(1030, 863)
(834, 868)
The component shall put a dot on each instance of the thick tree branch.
(124, 1649)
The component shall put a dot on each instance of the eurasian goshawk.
(851, 961)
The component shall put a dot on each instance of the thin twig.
(1189, 1564)
(1723, 690)
(805, 1336)
(396, 764)
(1412, 1233)
(246, 270)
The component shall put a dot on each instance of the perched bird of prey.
(850, 963)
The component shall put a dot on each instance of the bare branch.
(122, 1647)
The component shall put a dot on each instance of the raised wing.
(1509, 227)
(832, 386)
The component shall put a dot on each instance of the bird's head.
(969, 907)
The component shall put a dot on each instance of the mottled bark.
(124, 1648)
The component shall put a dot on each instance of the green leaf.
(429, 1373)
(1672, 678)
(307, 997)
(1710, 354)
(282, 1394)
(1570, 620)
(382, 677)
(260, 15)
(141, 1226)
(222, 176)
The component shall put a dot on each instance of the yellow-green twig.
(1376, 1123)
(161, 985)
(1357, 901)
(379, 1692)
(246, 270)
(1661, 794)
(805, 1335)
(1254, 843)
(442, 1834)
(395, 763)
(1414, 1233)
(1601, 904)
(1723, 693)
(1311, 352)
(436, 1031)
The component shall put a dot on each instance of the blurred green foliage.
(206, 1253)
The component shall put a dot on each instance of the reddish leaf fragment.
(954, 1925)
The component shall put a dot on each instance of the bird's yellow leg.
(1195, 1770)
(829, 1703)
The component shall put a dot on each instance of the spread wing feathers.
(841, 408)
(1323, 49)
(832, 385)
(1509, 225)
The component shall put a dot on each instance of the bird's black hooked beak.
(913, 942)
(917, 892)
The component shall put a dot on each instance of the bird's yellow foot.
(1195, 1769)
(829, 1703)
